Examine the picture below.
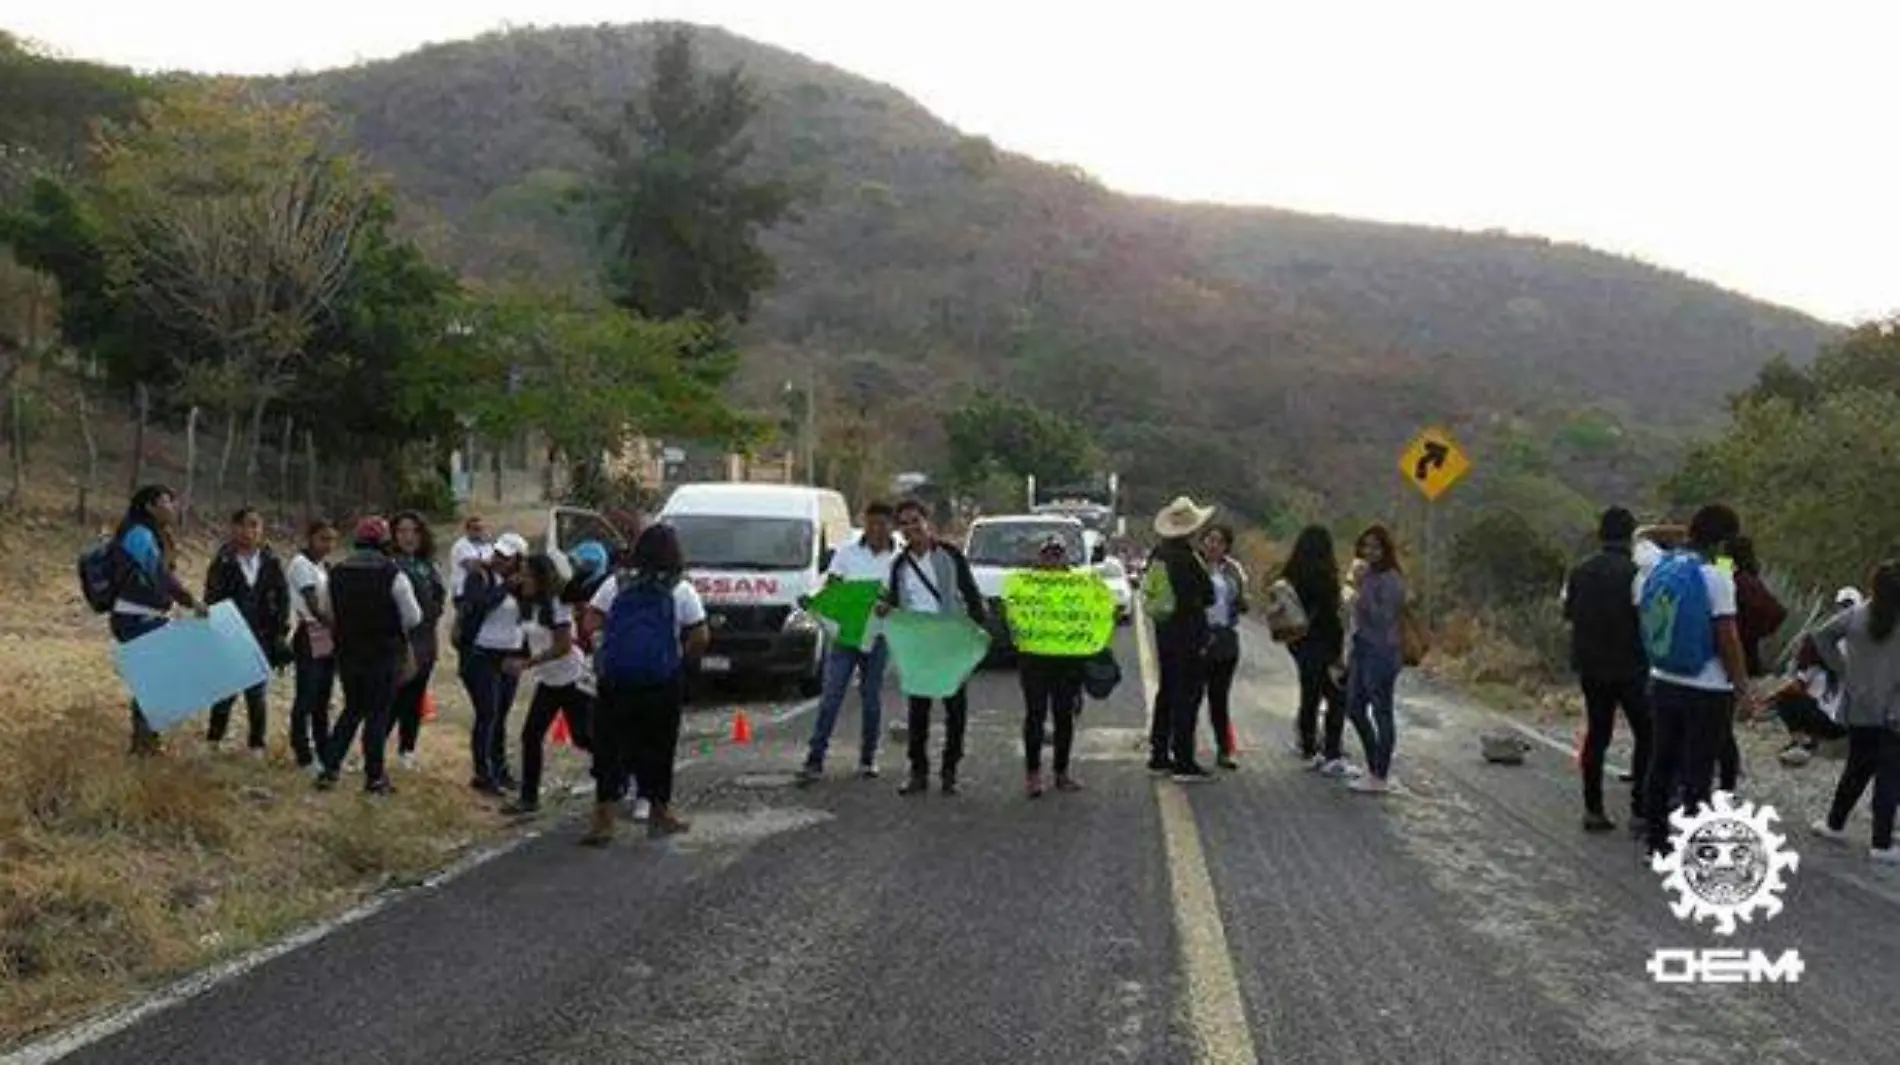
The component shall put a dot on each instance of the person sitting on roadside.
(1809, 704)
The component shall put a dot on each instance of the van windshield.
(1016, 543)
(720, 541)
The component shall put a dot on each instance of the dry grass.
(118, 872)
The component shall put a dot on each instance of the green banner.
(848, 603)
(1059, 612)
(934, 653)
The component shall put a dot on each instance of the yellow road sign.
(1433, 463)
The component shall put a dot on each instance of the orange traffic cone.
(741, 728)
(560, 733)
(428, 705)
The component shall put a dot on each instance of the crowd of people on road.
(1668, 626)
(603, 640)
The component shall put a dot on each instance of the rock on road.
(1271, 916)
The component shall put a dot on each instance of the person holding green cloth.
(869, 558)
(932, 576)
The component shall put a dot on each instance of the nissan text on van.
(752, 551)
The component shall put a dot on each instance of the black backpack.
(100, 567)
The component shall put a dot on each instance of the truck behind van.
(753, 551)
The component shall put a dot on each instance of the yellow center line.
(1216, 1016)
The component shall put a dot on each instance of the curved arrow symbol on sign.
(1433, 459)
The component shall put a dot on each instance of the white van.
(753, 550)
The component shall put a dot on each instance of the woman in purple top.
(1376, 655)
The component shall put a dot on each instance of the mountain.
(1274, 359)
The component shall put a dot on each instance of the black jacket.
(1325, 627)
(368, 624)
(1193, 590)
(265, 605)
(1606, 630)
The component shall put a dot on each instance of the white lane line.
(1217, 1018)
(88, 1032)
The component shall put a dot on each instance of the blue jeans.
(1370, 685)
(125, 629)
(491, 691)
(840, 664)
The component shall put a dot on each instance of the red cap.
(372, 531)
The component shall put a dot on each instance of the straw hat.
(1181, 518)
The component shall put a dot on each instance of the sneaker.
(1339, 769)
(257, 753)
(379, 786)
(950, 786)
(1033, 784)
(1596, 822)
(1191, 773)
(326, 781)
(1159, 767)
(1796, 754)
(1884, 855)
(521, 808)
(810, 774)
(1293, 748)
(1317, 763)
(1065, 782)
(1627, 778)
(408, 761)
(867, 771)
(1370, 785)
(1226, 761)
(642, 810)
(1832, 835)
(486, 787)
(916, 785)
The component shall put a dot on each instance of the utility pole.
(811, 424)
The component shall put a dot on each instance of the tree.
(1500, 559)
(993, 434)
(234, 221)
(679, 219)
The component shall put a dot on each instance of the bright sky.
(1744, 141)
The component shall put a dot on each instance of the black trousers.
(1689, 726)
(1317, 685)
(310, 709)
(1873, 754)
(1601, 699)
(253, 712)
(369, 692)
(547, 702)
(956, 716)
(1052, 687)
(1177, 698)
(408, 709)
(636, 732)
(1728, 757)
(1220, 685)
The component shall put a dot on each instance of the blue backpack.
(1678, 627)
(640, 642)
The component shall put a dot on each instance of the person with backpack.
(1376, 656)
(554, 662)
(1697, 671)
(414, 551)
(312, 645)
(1317, 644)
(247, 573)
(648, 622)
(131, 577)
(374, 608)
(1176, 592)
(1606, 651)
(488, 631)
(1859, 644)
(933, 576)
(1223, 635)
(1052, 688)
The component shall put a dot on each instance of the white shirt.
(562, 671)
(688, 609)
(1830, 697)
(303, 574)
(463, 550)
(501, 629)
(1721, 588)
(1221, 614)
(856, 561)
(914, 591)
(250, 563)
(407, 607)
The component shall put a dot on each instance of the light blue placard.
(187, 665)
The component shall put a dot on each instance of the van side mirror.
(1099, 555)
(824, 558)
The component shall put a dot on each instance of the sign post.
(1432, 463)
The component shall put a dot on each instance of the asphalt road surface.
(1271, 916)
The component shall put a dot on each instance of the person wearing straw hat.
(1176, 593)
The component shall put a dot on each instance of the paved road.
(1271, 916)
